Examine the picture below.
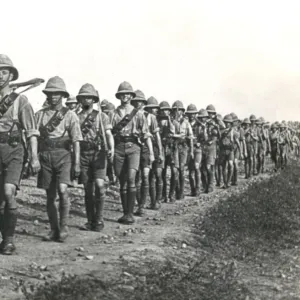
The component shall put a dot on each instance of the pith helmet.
(152, 103)
(125, 88)
(139, 96)
(178, 105)
(260, 121)
(104, 102)
(56, 84)
(234, 117)
(202, 113)
(228, 119)
(277, 124)
(164, 105)
(5, 62)
(109, 106)
(88, 90)
(283, 125)
(191, 109)
(252, 118)
(71, 99)
(210, 108)
(246, 121)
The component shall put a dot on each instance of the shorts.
(56, 166)
(226, 155)
(197, 159)
(180, 158)
(261, 148)
(127, 156)
(145, 157)
(157, 164)
(251, 149)
(11, 159)
(93, 166)
(209, 155)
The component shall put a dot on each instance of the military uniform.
(127, 148)
(262, 144)
(93, 158)
(274, 134)
(246, 146)
(251, 138)
(283, 145)
(16, 115)
(59, 127)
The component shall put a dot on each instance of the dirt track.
(160, 235)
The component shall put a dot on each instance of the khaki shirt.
(137, 127)
(93, 132)
(183, 128)
(69, 126)
(20, 111)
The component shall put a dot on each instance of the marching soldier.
(195, 154)
(228, 138)
(93, 161)
(261, 145)
(283, 143)
(16, 115)
(142, 177)
(247, 147)
(183, 134)
(72, 104)
(251, 140)
(108, 109)
(274, 134)
(167, 130)
(156, 184)
(238, 147)
(59, 127)
(218, 163)
(129, 125)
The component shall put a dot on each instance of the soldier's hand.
(152, 158)
(35, 165)
(110, 155)
(161, 158)
(76, 170)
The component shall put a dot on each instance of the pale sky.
(241, 56)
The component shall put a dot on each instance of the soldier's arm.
(221, 123)
(106, 121)
(144, 128)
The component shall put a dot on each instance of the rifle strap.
(88, 122)
(125, 120)
(7, 102)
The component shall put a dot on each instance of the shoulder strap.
(7, 102)
(127, 118)
(90, 118)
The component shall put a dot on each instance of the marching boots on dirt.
(167, 130)
(253, 139)
(129, 128)
(16, 116)
(183, 134)
(155, 178)
(237, 148)
(59, 130)
(142, 177)
(94, 151)
(195, 153)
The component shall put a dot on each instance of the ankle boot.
(53, 235)
(64, 218)
(123, 194)
(131, 196)
(159, 188)
(10, 222)
(99, 207)
(90, 214)
(153, 198)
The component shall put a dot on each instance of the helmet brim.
(119, 93)
(55, 90)
(95, 98)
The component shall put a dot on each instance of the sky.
(242, 56)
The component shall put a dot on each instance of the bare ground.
(216, 247)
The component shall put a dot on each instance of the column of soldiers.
(133, 145)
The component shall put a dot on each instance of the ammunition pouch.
(13, 138)
(88, 146)
(53, 144)
(126, 139)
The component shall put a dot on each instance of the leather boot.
(234, 175)
(123, 194)
(10, 222)
(131, 195)
(159, 188)
(172, 189)
(182, 184)
(53, 235)
(192, 184)
(141, 200)
(64, 209)
(98, 225)
(210, 180)
(153, 205)
(89, 208)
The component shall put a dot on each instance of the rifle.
(102, 126)
(32, 84)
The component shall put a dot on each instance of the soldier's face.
(126, 98)
(54, 98)
(165, 112)
(227, 124)
(178, 113)
(137, 104)
(191, 117)
(86, 101)
(203, 120)
(154, 111)
(5, 77)
(211, 115)
(72, 105)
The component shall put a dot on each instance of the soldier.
(274, 134)
(218, 167)
(295, 141)
(167, 130)
(109, 109)
(93, 154)
(16, 115)
(72, 104)
(156, 183)
(195, 153)
(142, 176)
(262, 145)
(252, 139)
(247, 147)
(214, 125)
(59, 127)
(283, 143)
(228, 138)
(238, 147)
(103, 104)
(183, 134)
(129, 125)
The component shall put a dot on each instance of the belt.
(51, 144)
(126, 139)
(86, 146)
(6, 138)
